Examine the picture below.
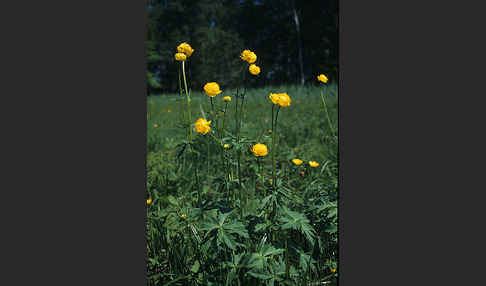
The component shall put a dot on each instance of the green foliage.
(225, 230)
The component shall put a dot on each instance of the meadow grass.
(303, 125)
(205, 227)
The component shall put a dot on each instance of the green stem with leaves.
(188, 99)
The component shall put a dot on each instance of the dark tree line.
(294, 40)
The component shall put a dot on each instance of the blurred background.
(294, 41)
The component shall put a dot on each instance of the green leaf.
(172, 200)
(195, 267)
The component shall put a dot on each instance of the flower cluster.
(299, 162)
(202, 126)
(282, 99)
(184, 51)
(250, 57)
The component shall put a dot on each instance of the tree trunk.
(299, 45)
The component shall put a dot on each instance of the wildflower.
(156, 125)
(297, 161)
(322, 78)
(180, 57)
(202, 126)
(185, 48)
(274, 97)
(254, 69)
(333, 270)
(149, 201)
(183, 215)
(259, 150)
(227, 98)
(251, 58)
(313, 164)
(245, 54)
(281, 99)
(212, 89)
(169, 110)
(270, 131)
(226, 146)
(284, 100)
(248, 56)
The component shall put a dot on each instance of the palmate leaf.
(221, 230)
(306, 262)
(258, 260)
(297, 221)
(234, 267)
(277, 270)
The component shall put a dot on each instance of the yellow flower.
(254, 69)
(169, 110)
(226, 146)
(252, 58)
(274, 97)
(202, 126)
(156, 125)
(149, 201)
(270, 131)
(322, 78)
(248, 56)
(227, 98)
(185, 48)
(183, 215)
(297, 161)
(259, 150)
(333, 270)
(281, 99)
(212, 89)
(284, 100)
(245, 54)
(180, 57)
(313, 164)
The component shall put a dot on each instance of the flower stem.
(275, 132)
(208, 159)
(223, 157)
(263, 179)
(190, 134)
(273, 147)
(327, 114)
(188, 101)
(224, 119)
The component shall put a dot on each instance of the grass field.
(304, 123)
(215, 217)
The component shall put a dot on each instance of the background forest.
(294, 40)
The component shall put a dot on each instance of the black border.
(74, 181)
(74, 178)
